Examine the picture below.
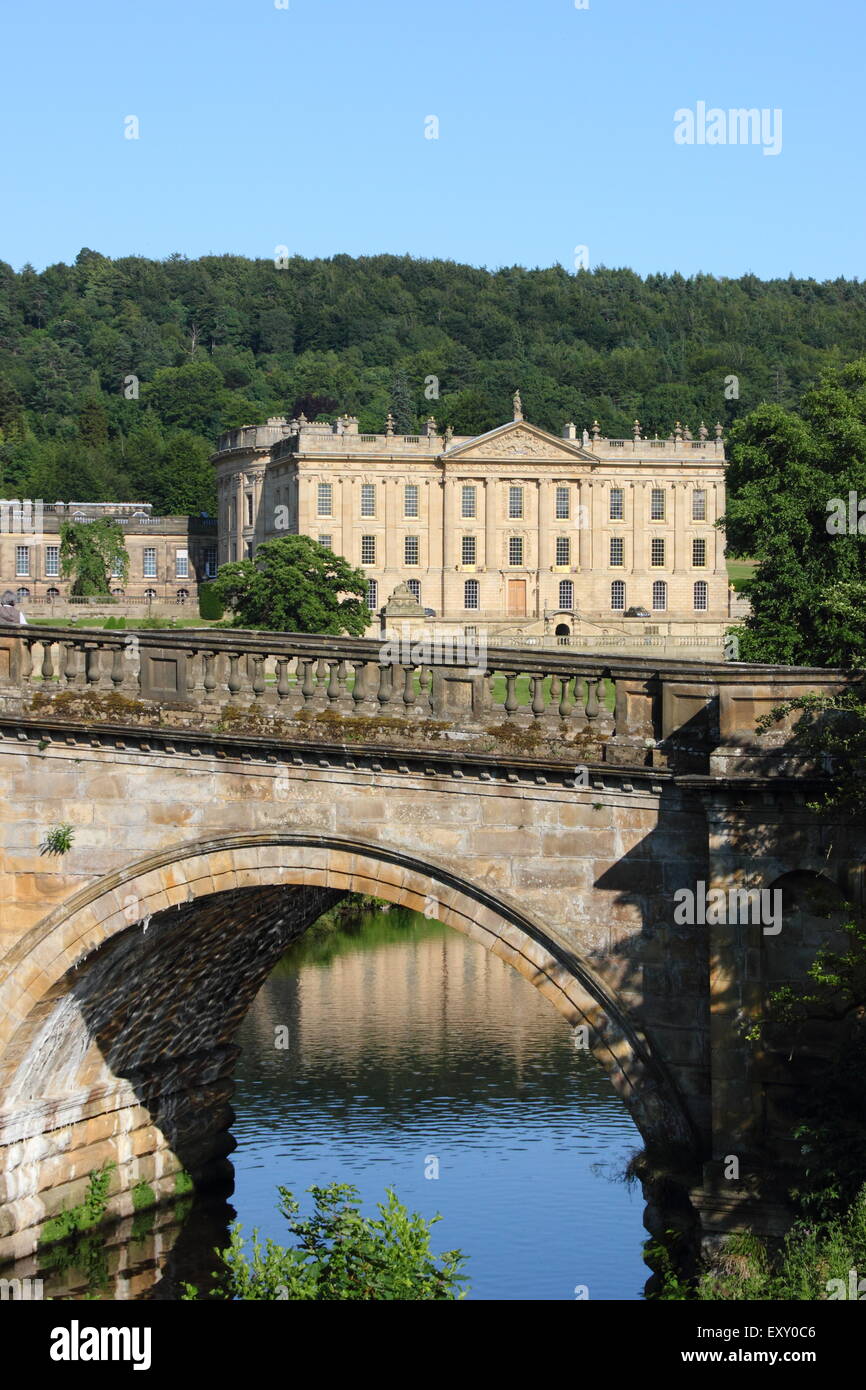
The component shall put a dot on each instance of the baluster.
(606, 717)
(308, 688)
(70, 663)
(193, 684)
(580, 694)
(234, 680)
(565, 702)
(92, 665)
(555, 685)
(209, 681)
(282, 677)
(258, 676)
(117, 667)
(333, 690)
(537, 696)
(384, 692)
(425, 682)
(47, 663)
(409, 687)
(359, 689)
(592, 698)
(511, 702)
(27, 660)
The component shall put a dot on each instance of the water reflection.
(382, 1056)
(408, 1042)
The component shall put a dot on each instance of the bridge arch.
(113, 1008)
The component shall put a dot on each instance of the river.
(394, 1052)
(412, 1050)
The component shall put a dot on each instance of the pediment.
(520, 440)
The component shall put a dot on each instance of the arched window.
(660, 596)
(470, 593)
(22, 593)
(53, 594)
(701, 596)
(566, 593)
(150, 593)
(182, 595)
(617, 596)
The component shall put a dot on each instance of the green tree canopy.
(790, 480)
(295, 585)
(89, 552)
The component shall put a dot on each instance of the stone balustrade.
(690, 716)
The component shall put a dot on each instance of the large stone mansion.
(516, 528)
(168, 555)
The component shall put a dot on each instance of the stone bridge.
(222, 789)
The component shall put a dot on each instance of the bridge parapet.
(638, 711)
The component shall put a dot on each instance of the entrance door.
(517, 598)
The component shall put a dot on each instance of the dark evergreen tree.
(402, 408)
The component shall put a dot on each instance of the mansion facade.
(168, 555)
(517, 528)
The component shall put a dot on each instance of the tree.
(312, 406)
(295, 585)
(831, 734)
(341, 1255)
(188, 397)
(93, 421)
(471, 412)
(185, 476)
(402, 406)
(90, 552)
(791, 478)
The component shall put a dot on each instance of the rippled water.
(408, 1043)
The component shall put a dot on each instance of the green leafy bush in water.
(340, 1255)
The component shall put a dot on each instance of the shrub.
(340, 1255)
(209, 605)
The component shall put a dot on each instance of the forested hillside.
(224, 341)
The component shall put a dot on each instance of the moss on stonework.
(328, 725)
(142, 1225)
(183, 1182)
(143, 1196)
(91, 702)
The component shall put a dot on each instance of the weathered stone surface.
(126, 964)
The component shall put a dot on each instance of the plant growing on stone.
(87, 1214)
(58, 840)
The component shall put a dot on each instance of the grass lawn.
(121, 624)
(740, 570)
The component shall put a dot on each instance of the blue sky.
(262, 127)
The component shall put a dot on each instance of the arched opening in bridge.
(123, 1042)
